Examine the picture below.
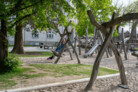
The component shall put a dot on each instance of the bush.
(11, 63)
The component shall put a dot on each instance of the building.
(34, 38)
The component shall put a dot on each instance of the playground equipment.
(95, 42)
(91, 50)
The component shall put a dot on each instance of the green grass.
(135, 48)
(53, 70)
(30, 54)
(6, 78)
(71, 69)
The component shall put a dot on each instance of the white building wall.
(29, 40)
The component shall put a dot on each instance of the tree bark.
(79, 46)
(133, 34)
(119, 63)
(117, 55)
(98, 60)
(69, 52)
(75, 52)
(133, 31)
(102, 39)
(3, 45)
(86, 39)
(68, 34)
(123, 44)
(75, 41)
(18, 40)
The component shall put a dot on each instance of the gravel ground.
(100, 85)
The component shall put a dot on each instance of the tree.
(131, 8)
(42, 11)
(108, 42)
(46, 12)
(10, 9)
(101, 9)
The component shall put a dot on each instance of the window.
(50, 35)
(35, 34)
(27, 29)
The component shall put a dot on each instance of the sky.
(124, 3)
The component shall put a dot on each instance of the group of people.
(57, 51)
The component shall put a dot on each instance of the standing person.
(58, 49)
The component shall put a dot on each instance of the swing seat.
(55, 53)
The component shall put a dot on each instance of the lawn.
(135, 48)
(35, 54)
(34, 71)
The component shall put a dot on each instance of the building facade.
(34, 38)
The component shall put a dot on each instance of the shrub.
(11, 63)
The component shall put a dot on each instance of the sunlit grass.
(51, 70)
(38, 54)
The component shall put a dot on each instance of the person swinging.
(58, 50)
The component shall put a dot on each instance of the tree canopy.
(102, 10)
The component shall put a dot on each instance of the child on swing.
(58, 49)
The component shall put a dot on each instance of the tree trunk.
(123, 44)
(79, 46)
(75, 52)
(18, 40)
(102, 39)
(68, 34)
(119, 63)
(133, 32)
(69, 52)
(75, 42)
(86, 39)
(109, 51)
(117, 54)
(3, 44)
(98, 60)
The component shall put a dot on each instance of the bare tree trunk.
(105, 44)
(109, 50)
(123, 44)
(98, 60)
(86, 39)
(75, 52)
(18, 40)
(3, 45)
(102, 39)
(133, 34)
(68, 34)
(69, 52)
(79, 46)
(75, 42)
(119, 63)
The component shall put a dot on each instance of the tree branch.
(126, 17)
(28, 15)
(93, 22)
(92, 19)
(17, 5)
(19, 9)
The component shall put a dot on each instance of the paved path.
(31, 49)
